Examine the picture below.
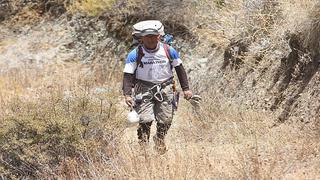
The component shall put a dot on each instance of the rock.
(5, 10)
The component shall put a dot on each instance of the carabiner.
(158, 93)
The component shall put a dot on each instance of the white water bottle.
(133, 117)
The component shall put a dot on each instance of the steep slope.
(256, 64)
(228, 147)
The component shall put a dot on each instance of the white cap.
(144, 28)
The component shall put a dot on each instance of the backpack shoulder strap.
(167, 50)
(140, 54)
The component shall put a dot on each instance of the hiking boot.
(143, 140)
(159, 145)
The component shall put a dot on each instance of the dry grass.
(218, 142)
(65, 121)
(91, 7)
(262, 151)
(53, 115)
(263, 23)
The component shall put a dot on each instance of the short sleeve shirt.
(156, 66)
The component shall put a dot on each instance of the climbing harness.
(158, 92)
(155, 92)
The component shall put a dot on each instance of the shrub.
(92, 7)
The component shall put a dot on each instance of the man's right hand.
(129, 101)
(187, 94)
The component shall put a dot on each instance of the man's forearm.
(128, 83)
(182, 76)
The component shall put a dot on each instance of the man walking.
(149, 72)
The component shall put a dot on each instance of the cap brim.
(149, 33)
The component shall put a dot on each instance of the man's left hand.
(187, 94)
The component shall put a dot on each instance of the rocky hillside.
(275, 67)
(256, 55)
(255, 62)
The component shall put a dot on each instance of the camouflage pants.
(150, 108)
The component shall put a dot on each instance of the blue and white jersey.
(156, 65)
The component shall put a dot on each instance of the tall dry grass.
(226, 139)
(54, 116)
(66, 122)
(218, 141)
(91, 7)
(263, 23)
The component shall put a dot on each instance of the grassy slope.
(222, 141)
